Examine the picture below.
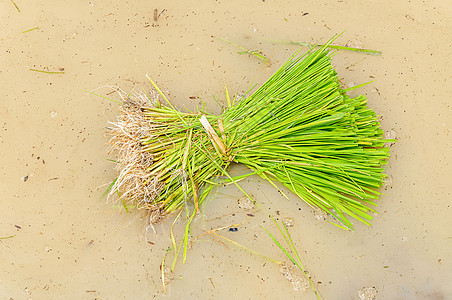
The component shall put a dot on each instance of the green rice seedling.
(300, 128)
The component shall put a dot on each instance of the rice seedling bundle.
(299, 128)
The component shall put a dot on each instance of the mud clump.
(298, 282)
(289, 222)
(367, 293)
(245, 203)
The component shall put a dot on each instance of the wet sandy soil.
(68, 244)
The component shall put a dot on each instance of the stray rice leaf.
(15, 5)
(338, 47)
(7, 237)
(46, 72)
(30, 29)
(255, 53)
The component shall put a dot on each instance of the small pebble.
(245, 203)
(298, 282)
(319, 215)
(387, 182)
(350, 84)
(390, 135)
(289, 222)
(367, 293)
(354, 44)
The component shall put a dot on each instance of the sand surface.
(68, 244)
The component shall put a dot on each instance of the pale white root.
(134, 184)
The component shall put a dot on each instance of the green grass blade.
(187, 232)
(337, 47)
(37, 27)
(357, 86)
(228, 100)
(101, 96)
(15, 5)
(108, 188)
